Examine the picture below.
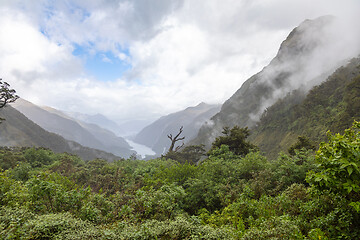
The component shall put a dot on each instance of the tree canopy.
(235, 138)
(7, 95)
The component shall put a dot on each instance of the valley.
(129, 120)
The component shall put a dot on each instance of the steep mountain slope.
(155, 135)
(111, 142)
(18, 130)
(310, 53)
(333, 105)
(89, 135)
(99, 120)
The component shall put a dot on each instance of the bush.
(12, 222)
(339, 166)
(180, 228)
(63, 226)
(274, 228)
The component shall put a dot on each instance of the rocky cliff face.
(310, 53)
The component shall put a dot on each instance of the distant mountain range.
(99, 120)
(89, 135)
(305, 59)
(18, 130)
(155, 134)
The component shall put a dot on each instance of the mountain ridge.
(333, 105)
(18, 130)
(89, 135)
(301, 62)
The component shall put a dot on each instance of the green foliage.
(338, 165)
(190, 154)
(97, 208)
(287, 170)
(51, 193)
(44, 195)
(39, 157)
(164, 203)
(180, 228)
(302, 143)
(220, 179)
(10, 157)
(12, 222)
(235, 138)
(62, 226)
(12, 193)
(274, 228)
(178, 174)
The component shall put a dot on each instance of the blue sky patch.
(104, 66)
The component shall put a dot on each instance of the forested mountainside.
(18, 130)
(89, 135)
(155, 134)
(333, 105)
(305, 59)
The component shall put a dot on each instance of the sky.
(142, 59)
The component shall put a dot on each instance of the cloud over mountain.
(177, 53)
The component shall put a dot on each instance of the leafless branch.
(175, 139)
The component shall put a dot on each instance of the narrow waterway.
(141, 150)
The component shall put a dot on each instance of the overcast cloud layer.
(179, 53)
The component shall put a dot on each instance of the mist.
(310, 53)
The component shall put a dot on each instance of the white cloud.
(181, 52)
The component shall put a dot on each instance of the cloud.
(180, 53)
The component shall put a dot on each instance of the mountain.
(111, 142)
(155, 134)
(133, 127)
(89, 135)
(18, 130)
(310, 53)
(333, 105)
(99, 120)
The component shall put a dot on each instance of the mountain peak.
(310, 53)
(304, 38)
(201, 104)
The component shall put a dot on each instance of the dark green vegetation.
(235, 139)
(44, 195)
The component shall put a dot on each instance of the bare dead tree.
(174, 140)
